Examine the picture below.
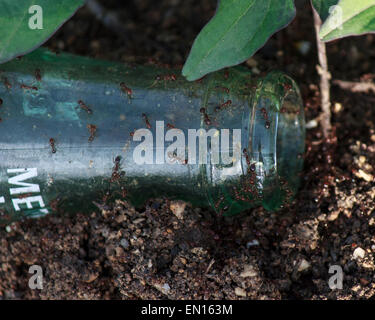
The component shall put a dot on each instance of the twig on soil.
(313, 123)
(325, 76)
(107, 17)
(210, 265)
(355, 86)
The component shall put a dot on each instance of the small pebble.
(178, 208)
(240, 292)
(124, 243)
(304, 265)
(249, 271)
(252, 243)
(364, 175)
(359, 253)
(311, 124)
(166, 287)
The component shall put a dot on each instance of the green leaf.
(16, 36)
(238, 29)
(353, 17)
(323, 6)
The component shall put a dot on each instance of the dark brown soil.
(152, 254)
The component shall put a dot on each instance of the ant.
(115, 172)
(265, 116)
(84, 107)
(223, 105)
(92, 129)
(24, 86)
(52, 144)
(124, 192)
(144, 116)
(165, 78)
(117, 163)
(1, 101)
(207, 120)
(246, 156)
(126, 89)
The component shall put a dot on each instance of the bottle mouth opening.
(288, 141)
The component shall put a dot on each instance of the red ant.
(115, 172)
(246, 156)
(124, 192)
(24, 86)
(170, 126)
(84, 107)
(207, 120)
(52, 144)
(223, 105)
(144, 116)
(92, 128)
(265, 116)
(165, 78)
(126, 89)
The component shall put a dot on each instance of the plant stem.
(325, 76)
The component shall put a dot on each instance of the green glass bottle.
(75, 130)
